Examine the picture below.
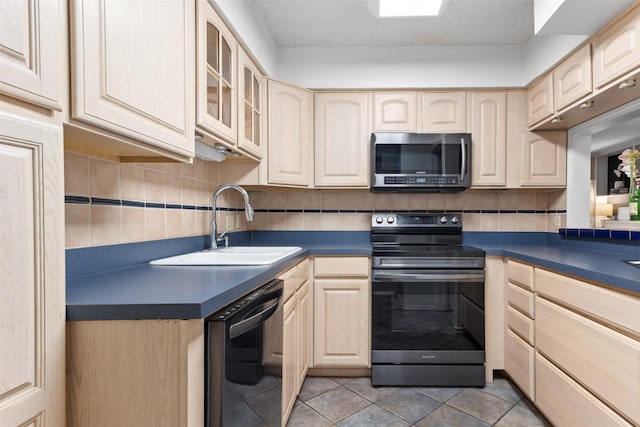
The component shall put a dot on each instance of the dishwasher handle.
(249, 323)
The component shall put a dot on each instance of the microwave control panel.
(404, 180)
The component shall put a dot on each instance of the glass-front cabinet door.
(251, 111)
(217, 77)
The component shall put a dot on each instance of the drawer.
(520, 273)
(615, 307)
(604, 361)
(294, 278)
(342, 266)
(565, 403)
(521, 325)
(521, 299)
(518, 362)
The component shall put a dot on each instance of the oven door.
(428, 316)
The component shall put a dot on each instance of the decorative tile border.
(600, 233)
(97, 201)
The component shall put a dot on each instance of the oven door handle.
(249, 323)
(390, 276)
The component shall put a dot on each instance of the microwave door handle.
(463, 166)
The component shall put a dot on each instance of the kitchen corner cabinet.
(395, 111)
(617, 50)
(31, 52)
(342, 132)
(32, 290)
(252, 110)
(341, 314)
(217, 78)
(488, 133)
(290, 147)
(135, 373)
(132, 78)
(443, 112)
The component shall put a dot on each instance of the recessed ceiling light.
(401, 8)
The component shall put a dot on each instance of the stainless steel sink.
(235, 255)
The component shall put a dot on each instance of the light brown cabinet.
(252, 110)
(395, 111)
(217, 82)
(519, 337)
(342, 132)
(540, 101)
(488, 133)
(341, 312)
(132, 79)
(443, 112)
(31, 40)
(617, 50)
(290, 147)
(572, 79)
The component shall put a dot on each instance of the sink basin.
(235, 255)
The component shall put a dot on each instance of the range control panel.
(389, 220)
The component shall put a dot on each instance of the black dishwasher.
(242, 385)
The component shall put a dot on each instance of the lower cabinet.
(341, 317)
(579, 357)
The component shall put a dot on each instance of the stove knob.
(379, 220)
(390, 219)
(454, 220)
(443, 219)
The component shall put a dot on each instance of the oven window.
(427, 316)
(422, 159)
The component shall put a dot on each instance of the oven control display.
(417, 219)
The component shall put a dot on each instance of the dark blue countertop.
(117, 283)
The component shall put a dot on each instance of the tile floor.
(353, 402)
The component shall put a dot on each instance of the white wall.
(401, 67)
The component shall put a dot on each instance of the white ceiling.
(349, 23)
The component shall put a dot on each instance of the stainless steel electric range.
(427, 311)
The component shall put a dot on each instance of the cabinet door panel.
(252, 112)
(30, 51)
(617, 50)
(343, 128)
(341, 323)
(289, 374)
(395, 112)
(572, 79)
(443, 112)
(540, 101)
(305, 332)
(290, 132)
(544, 159)
(32, 384)
(130, 77)
(489, 146)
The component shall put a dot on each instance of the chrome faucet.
(248, 211)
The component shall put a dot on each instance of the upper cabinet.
(217, 85)
(617, 50)
(443, 112)
(572, 79)
(31, 52)
(342, 131)
(290, 148)
(395, 112)
(252, 101)
(132, 77)
(540, 101)
(489, 140)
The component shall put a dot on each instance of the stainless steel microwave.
(414, 163)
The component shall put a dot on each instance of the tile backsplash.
(109, 202)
